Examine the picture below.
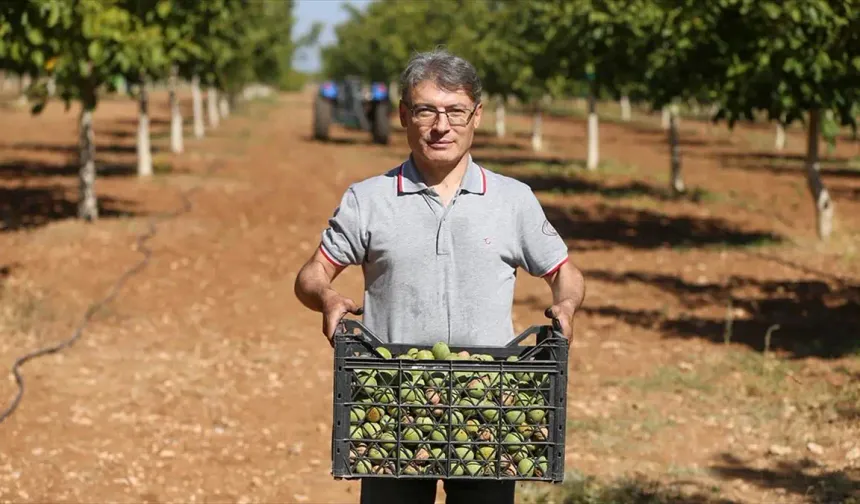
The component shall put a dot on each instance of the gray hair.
(446, 70)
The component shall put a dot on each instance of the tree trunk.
(197, 106)
(500, 119)
(87, 204)
(176, 145)
(677, 181)
(779, 142)
(212, 102)
(144, 149)
(665, 121)
(593, 144)
(625, 108)
(223, 106)
(823, 204)
(537, 134)
(24, 83)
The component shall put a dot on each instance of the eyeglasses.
(425, 115)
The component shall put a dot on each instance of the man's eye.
(425, 113)
(457, 113)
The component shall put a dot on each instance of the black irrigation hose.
(147, 254)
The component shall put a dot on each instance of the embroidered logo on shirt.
(487, 241)
(548, 229)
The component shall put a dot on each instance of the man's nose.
(442, 123)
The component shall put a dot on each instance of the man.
(439, 239)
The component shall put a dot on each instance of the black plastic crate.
(395, 417)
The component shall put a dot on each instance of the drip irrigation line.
(96, 306)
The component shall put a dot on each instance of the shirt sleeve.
(343, 240)
(542, 250)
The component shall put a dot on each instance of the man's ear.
(404, 115)
(478, 114)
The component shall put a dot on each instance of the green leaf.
(163, 9)
(94, 50)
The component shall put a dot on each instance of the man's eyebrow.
(456, 105)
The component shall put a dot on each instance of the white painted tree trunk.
(144, 149)
(500, 119)
(779, 141)
(176, 140)
(212, 103)
(24, 82)
(197, 107)
(223, 106)
(824, 207)
(537, 133)
(665, 118)
(593, 144)
(676, 180)
(87, 204)
(625, 108)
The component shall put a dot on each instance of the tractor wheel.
(322, 118)
(381, 123)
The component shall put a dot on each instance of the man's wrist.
(568, 305)
(325, 294)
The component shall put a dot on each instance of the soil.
(205, 380)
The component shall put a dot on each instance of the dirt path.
(206, 381)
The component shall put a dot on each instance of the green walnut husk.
(363, 467)
(356, 415)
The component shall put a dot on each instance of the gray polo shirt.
(442, 274)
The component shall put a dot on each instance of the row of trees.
(793, 60)
(78, 50)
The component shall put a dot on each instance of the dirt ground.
(205, 380)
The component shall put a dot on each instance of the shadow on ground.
(32, 207)
(579, 489)
(794, 477)
(23, 168)
(508, 161)
(814, 318)
(72, 149)
(784, 163)
(647, 229)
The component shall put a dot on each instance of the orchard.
(163, 180)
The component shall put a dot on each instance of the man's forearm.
(568, 287)
(313, 285)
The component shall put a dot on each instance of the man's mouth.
(439, 144)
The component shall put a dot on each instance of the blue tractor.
(354, 104)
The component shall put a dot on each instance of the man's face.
(436, 140)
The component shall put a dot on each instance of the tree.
(796, 60)
(82, 45)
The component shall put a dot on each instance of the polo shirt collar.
(409, 179)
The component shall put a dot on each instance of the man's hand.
(334, 307)
(564, 312)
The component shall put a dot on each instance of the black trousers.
(418, 491)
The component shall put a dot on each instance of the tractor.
(355, 105)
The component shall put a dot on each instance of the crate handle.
(535, 329)
(364, 334)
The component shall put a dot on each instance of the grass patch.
(582, 489)
(613, 167)
(162, 168)
(21, 308)
(671, 378)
